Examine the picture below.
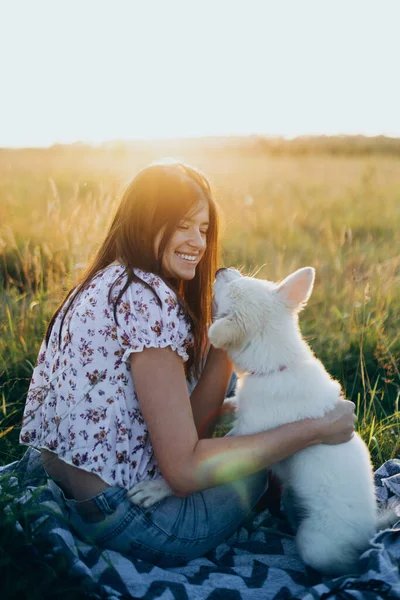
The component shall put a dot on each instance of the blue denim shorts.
(172, 531)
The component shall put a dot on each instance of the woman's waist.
(76, 483)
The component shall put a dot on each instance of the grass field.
(332, 204)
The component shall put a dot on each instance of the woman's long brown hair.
(157, 199)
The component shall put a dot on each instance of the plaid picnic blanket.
(259, 561)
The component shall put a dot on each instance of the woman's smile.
(188, 257)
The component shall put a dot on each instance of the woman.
(111, 376)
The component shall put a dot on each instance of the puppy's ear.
(296, 289)
(226, 333)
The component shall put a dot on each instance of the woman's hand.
(337, 426)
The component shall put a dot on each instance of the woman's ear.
(296, 289)
(226, 333)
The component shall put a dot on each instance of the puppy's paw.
(147, 493)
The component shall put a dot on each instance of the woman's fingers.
(338, 425)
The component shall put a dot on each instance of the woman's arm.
(190, 464)
(208, 395)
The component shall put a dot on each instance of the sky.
(99, 70)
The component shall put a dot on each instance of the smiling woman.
(166, 224)
(108, 405)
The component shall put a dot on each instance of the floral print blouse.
(82, 403)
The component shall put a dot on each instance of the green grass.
(332, 204)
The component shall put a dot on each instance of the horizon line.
(209, 137)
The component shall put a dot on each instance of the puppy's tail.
(388, 516)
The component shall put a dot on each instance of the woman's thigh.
(202, 520)
(173, 530)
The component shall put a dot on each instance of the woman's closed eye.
(185, 227)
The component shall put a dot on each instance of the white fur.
(332, 485)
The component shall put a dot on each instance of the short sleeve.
(148, 319)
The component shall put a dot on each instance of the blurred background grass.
(333, 203)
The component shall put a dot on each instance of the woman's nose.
(198, 240)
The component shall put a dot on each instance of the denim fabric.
(172, 531)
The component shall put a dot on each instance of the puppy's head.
(248, 307)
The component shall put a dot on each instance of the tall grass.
(333, 205)
(337, 212)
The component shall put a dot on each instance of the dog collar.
(281, 368)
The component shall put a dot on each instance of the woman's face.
(187, 244)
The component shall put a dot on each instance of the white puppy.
(329, 488)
